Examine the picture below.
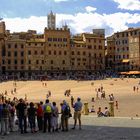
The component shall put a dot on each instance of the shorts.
(77, 115)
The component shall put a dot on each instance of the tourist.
(47, 115)
(40, 117)
(92, 109)
(5, 120)
(99, 112)
(31, 117)
(77, 112)
(106, 112)
(55, 117)
(21, 110)
(12, 116)
(65, 115)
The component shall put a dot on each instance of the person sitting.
(106, 112)
(92, 109)
(99, 112)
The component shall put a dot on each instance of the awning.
(125, 60)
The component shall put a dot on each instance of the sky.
(80, 15)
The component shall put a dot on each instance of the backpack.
(67, 110)
(48, 109)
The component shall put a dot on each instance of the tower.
(2, 26)
(51, 20)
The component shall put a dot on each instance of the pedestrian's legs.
(49, 122)
(66, 123)
(20, 123)
(45, 121)
(7, 125)
(25, 124)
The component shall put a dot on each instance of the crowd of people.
(20, 115)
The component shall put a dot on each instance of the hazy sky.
(80, 15)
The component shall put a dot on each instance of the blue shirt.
(78, 106)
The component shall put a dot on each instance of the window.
(51, 61)
(15, 45)
(22, 67)
(29, 61)
(54, 39)
(3, 61)
(15, 67)
(94, 46)
(29, 52)
(22, 46)
(63, 62)
(72, 52)
(42, 61)
(22, 53)
(49, 45)
(54, 52)
(100, 55)
(22, 61)
(15, 54)
(35, 52)
(15, 61)
(50, 39)
(37, 62)
(49, 52)
(65, 53)
(89, 46)
(84, 53)
(59, 52)
(94, 40)
(9, 53)
(78, 53)
(9, 61)
(42, 52)
(35, 44)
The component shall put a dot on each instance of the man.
(47, 115)
(65, 109)
(21, 108)
(77, 112)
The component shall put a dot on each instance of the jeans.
(47, 121)
(5, 125)
(32, 122)
(40, 122)
(22, 123)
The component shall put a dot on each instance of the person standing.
(47, 115)
(31, 116)
(77, 112)
(21, 107)
(40, 117)
(55, 117)
(65, 116)
(5, 120)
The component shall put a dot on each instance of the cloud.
(60, 0)
(78, 23)
(90, 9)
(128, 4)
